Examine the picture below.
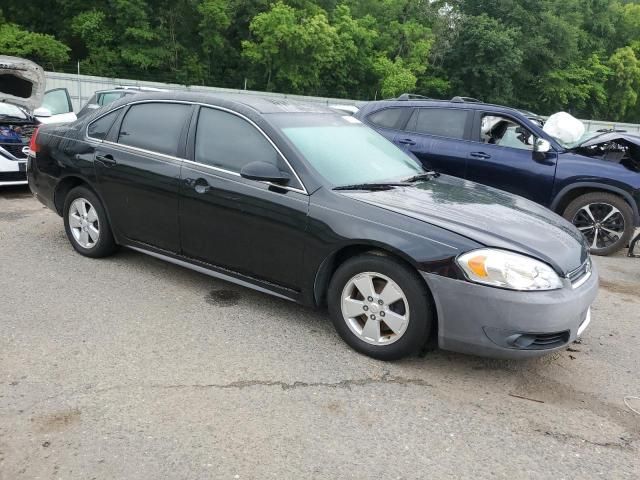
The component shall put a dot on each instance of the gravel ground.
(131, 368)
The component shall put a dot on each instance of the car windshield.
(584, 138)
(12, 111)
(344, 151)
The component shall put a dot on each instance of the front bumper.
(13, 172)
(493, 322)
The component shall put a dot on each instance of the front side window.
(154, 126)
(229, 142)
(443, 122)
(344, 151)
(502, 131)
(99, 129)
(387, 118)
(57, 101)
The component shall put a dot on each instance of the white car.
(23, 106)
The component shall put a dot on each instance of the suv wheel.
(605, 220)
(380, 307)
(86, 224)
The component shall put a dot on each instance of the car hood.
(488, 216)
(610, 137)
(21, 82)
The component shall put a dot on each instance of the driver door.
(56, 107)
(502, 157)
(246, 226)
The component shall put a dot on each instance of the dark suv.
(594, 183)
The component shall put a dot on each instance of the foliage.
(44, 49)
(582, 56)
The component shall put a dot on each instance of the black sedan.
(310, 205)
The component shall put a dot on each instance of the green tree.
(395, 77)
(624, 84)
(291, 47)
(41, 48)
(483, 59)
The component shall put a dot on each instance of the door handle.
(106, 160)
(201, 185)
(484, 156)
(406, 141)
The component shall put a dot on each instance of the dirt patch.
(621, 288)
(55, 422)
(223, 298)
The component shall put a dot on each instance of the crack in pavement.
(624, 444)
(385, 378)
(347, 384)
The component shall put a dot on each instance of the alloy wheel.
(602, 224)
(375, 308)
(84, 223)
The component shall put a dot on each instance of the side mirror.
(265, 172)
(43, 112)
(541, 145)
(540, 149)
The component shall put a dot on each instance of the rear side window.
(387, 118)
(99, 129)
(443, 122)
(154, 126)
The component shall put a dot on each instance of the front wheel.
(605, 220)
(380, 307)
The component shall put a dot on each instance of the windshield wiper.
(422, 176)
(372, 186)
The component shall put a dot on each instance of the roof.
(258, 103)
(456, 102)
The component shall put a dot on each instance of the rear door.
(246, 226)
(503, 157)
(138, 171)
(438, 137)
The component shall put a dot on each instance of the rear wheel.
(605, 220)
(380, 307)
(86, 224)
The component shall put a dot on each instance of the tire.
(81, 229)
(402, 326)
(598, 215)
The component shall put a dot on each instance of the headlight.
(504, 269)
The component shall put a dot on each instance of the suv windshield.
(344, 151)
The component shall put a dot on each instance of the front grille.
(580, 275)
(14, 149)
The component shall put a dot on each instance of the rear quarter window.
(99, 129)
(387, 118)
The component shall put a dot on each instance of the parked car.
(23, 106)
(595, 183)
(310, 205)
(102, 98)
